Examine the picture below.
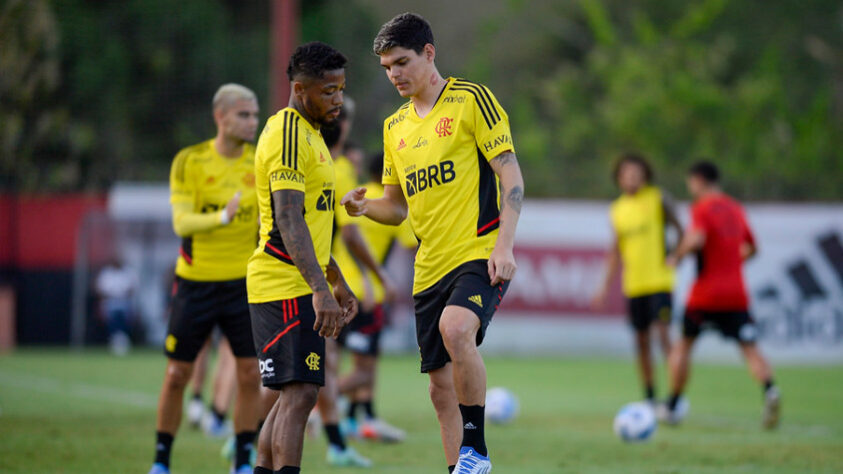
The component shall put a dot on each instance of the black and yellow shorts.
(288, 348)
(646, 309)
(468, 286)
(197, 307)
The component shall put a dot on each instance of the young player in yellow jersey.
(447, 152)
(297, 295)
(362, 336)
(212, 191)
(640, 218)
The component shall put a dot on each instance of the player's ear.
(429, 52)
(298, 87)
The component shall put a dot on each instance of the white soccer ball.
(501, 405)
(635, 422)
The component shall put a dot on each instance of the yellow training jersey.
(290, 155)
(639, 225)
(206, 180)
(380, 239)
(441, 164)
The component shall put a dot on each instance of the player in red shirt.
(721, 238)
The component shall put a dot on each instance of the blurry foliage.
(91, 92)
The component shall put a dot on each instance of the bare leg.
(663, 330)
(444, 398)
(170, 401)
(645, 363)
(200, 369)
(247, 409)
(362, 376)
(680, 357)
(758, 366)
(264, 457)
(293, 406)
(225, 380)
(327, 400)
(458, 327)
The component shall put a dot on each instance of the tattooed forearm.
(514, 198)
(296, 236)
(502, 160)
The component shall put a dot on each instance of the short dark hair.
(313, 59)
(635, 159)
(706, 170)
(376, 164)
(407, 30)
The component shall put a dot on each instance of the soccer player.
(721, 238)
(362, 336)
(297, 295)
(640, 217)
(215, 212)
(212, 421)
(444, 152)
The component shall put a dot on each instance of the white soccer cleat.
(195, 412)
(346, 458)
(472, 462)
(379, 430)
(772, 405)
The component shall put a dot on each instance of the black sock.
(244, 443)
(451, 468)
(768, 384)
(352, 409)
(220, 416)
(334, 436)
(262, 470)
(473, 418)
(369, 409)
(197, 396)
(674, 399)
(650, 393)
(288, 470)
(163, 445)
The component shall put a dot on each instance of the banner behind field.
(795, 282)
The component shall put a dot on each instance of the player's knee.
(177, 376)
(440, 393)
(301, 398)
(248, 375)
(457, 333)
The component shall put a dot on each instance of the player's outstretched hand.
(347, 302)
(231, 207)
(355, 202)
(671, 260)
(501, 265)
(329, 315)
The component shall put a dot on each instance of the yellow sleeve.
(287, 160)
(491, 125)
(389, 175)
(346, 181)
(186, 221)
(405, 236)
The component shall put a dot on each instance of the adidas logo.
(401, 145)
(476, 299)
(470, 426)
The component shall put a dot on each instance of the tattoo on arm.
(294, 231)
(513, 197)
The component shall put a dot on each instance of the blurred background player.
(213, 419)
(115, 285)
(448, 161)
(362, 336)
(640, 217)
(297, 295)
(720, 236)
(215, 212)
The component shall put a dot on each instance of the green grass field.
(63, 412)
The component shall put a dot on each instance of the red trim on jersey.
(490, 224)
(279, 336)
(185, 256)
(278, 251)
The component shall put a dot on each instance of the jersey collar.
(414, 116)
